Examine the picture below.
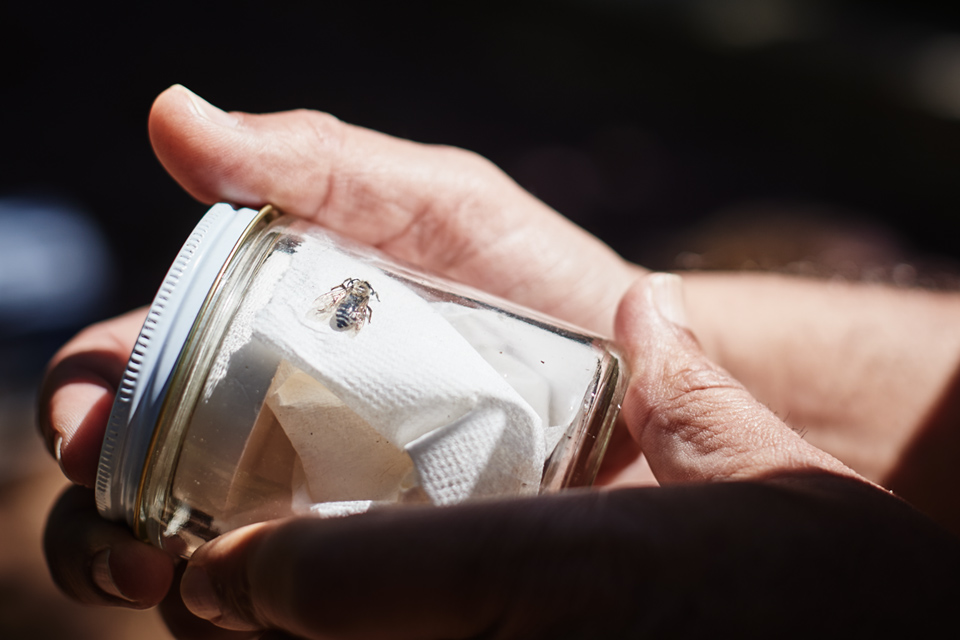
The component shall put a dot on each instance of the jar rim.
(157, 351)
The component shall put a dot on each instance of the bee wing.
(359, 317)
(326, 303)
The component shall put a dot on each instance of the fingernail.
(103, 577)
(210, 112)
(198, 594)
(57, 447)
(666, 293)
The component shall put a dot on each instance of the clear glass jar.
(285, 370)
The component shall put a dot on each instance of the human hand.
(445, 209)
(865, 371)
(442, 208)
(434, 215)
(754, 533)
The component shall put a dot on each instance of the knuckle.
(459, 156)
(697, 398)
(325, 129)
(691, 382)
(467, 167)
(451, 228)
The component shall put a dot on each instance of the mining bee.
(349, 302)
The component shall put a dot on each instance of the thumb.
(307, 163)
(693, 421)
(445, 209)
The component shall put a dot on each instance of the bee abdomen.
(344, 316)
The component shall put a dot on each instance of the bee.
(349, 302)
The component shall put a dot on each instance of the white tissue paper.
(548, 369)
(409, 410)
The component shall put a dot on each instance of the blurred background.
(817, 137)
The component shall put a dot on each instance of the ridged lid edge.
(161, 340)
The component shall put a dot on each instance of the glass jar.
(285, 370)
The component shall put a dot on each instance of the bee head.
(365, 288)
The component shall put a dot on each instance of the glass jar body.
(323, 377)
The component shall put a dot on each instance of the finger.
(99, 562)
(693, 421)
(183, 625)
(77, 393)
(679, 561)
(442, 208)
(412, 573)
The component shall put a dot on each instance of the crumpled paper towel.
(347, 458)
(549, 369)
(408, 375)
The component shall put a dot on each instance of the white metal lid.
(156, 353)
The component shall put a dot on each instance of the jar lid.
(162, 339)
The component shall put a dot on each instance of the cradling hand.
(444, 209)
(755, 533)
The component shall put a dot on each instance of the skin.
(750, 523)
(866, 372)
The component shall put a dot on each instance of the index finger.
(78, 389)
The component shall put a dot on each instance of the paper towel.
(550, 370)
(348, 459)
(410, 377)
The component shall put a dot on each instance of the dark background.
(636, 119)
(811, 136)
